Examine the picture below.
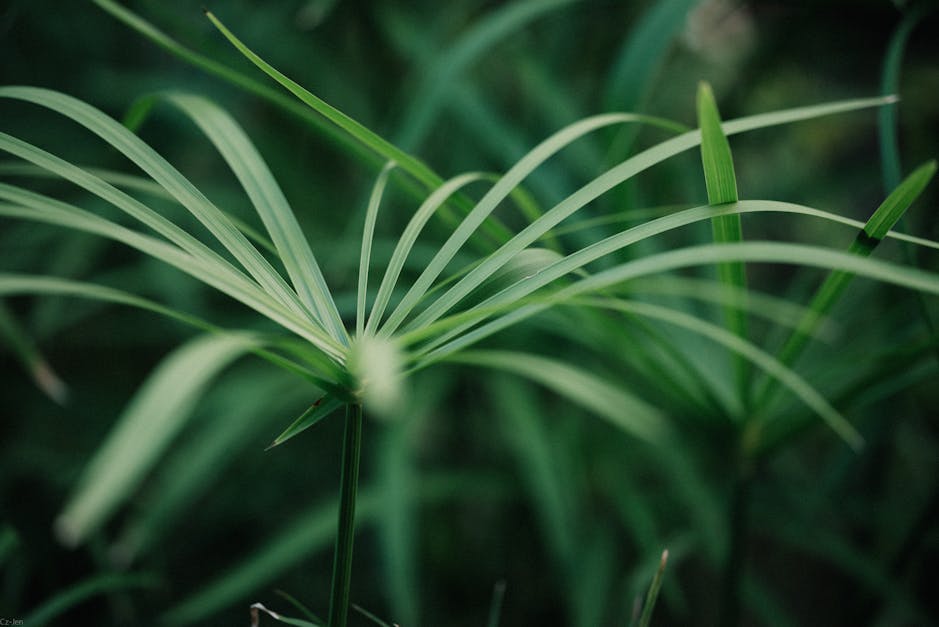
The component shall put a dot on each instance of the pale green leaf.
(612, 402)
(157, 413)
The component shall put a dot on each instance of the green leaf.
(831, 291)
(84, 590)
(721, 182)
(483, 209)
(459, 323)
(621, 408)
(575, 201)
(16, 284)
(751, 352)
(175, 183)
(715, 151)
(429, 96)
(368, 235)
(895, 205)
(15, 336)
(221, 277)
(372, 141)
(890, 84)
(406, 243)
(316, 412)
(157, 413)
(271, 204)
(256, 607)
(646, 619)
(233, 77)
(769, 252)
(127, 182)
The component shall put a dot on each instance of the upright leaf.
(721, 184)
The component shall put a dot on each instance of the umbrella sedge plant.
(361, 362)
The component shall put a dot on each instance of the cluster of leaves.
(694, 377)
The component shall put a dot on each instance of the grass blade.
(624, 410)
(130, 182)
(232, 419)
(406, 243)
(646, 619)
(255, 618)
(805, 392)
(890, 84)
(721, 182)
(18, 284)
(316, 412)
(271, 204)
(236, 286)
(42, 374)
(148, 425)
(166, 175)
(484, 208)
(107, 192)
(300, 607)
(429, 96)
(368, 235)
(875, 230)
(767, 252)
(640, 61)
(582, 197)
(238, 79)
(458, 323)
(80, 592)
(372, 141)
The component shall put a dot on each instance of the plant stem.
(342, 558)
(739, 522)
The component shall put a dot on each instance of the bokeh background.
(489, 480)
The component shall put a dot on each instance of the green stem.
(739, 523)
(342, 559)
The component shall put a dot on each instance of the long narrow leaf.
(270, 203)
(406, 243)
(131, 182)
(876, 229)
(456, 324)
(368, 235)
(84, 590)
(18, 284)
(621, 408)
(751, 352)
(767, 252)
(40, 208)
(487, 205)
(166, 175)
(721, 182)
(319, 410)
(16, 337)
(428, 97)
(587, 194)
(147, 427)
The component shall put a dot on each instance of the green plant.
(518, 277)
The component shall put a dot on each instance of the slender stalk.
(646, 619)
(739, 522)
(342, 558)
